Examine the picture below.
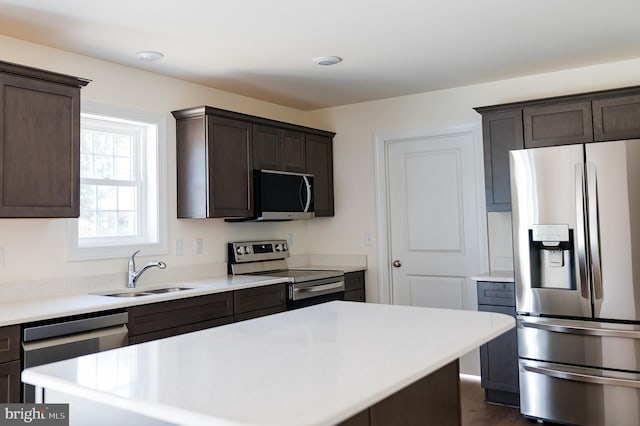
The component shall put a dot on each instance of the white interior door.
(435, 222)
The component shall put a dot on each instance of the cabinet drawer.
(256, 298)
(168, 332)
(496, 293)
(10, 343)
(354, 281)
(176, 313)
(560, 124)
(259, 313)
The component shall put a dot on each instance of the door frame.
(382, 142)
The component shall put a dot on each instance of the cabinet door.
(560, 124)
(499, 357)
(230, 168)
(292, 150)
(39, 148)
(278, 149)
(319, 161)
(266, 147)
(354, 288)
(616, 118)
(501, 132)
(10, 382)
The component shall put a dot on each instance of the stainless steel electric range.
(305, 287)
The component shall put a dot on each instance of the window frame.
(154, 192)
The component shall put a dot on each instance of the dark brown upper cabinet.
(558, 124)
(571, 119)
(501, 132)
(217, 151)
(616, 118)
(39, 143)
(214, 164)
(319, 153)
(278, 149)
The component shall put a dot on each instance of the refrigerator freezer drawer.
(587, 343)
(575, 395)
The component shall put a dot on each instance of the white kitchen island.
(320, 365)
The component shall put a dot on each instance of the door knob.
(396, 263)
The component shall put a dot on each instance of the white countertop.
(344, 268)
(19, 312)
(313, 366)
(496, 276)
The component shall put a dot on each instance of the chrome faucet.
(134, 275)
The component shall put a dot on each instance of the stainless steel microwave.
(283, 195)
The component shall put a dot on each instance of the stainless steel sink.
(128, 294)
(168, 290)
(144, 292)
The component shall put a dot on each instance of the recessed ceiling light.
(149, 56)
(327, 60)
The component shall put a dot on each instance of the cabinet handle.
(396, 263)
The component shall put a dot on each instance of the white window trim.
(75, 252)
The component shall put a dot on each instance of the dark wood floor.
(476, 412)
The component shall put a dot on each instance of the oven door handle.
(317, 288)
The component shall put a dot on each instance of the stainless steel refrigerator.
(576, 230)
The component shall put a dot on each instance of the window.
(121, 203)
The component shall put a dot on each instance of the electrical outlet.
(198, 246)
(178, 247)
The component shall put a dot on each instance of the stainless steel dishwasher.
(52, 341)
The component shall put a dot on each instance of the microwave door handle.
(308, 188)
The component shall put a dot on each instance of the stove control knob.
(284, 246)
(278, 247)
(240, 250)
(247, 249)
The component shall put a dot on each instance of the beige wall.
(36, 249)
(356, 125)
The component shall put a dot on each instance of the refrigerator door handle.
(581, 230)
(581, 330)
(594, 231)
(586, 378)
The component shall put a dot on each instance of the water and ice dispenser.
(551, 250)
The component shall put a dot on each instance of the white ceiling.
(265, 48)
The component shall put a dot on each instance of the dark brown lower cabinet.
(166, 319)
(432, 400)
(354, 289)
(10, 364)
(10, 382)
(259, 301)
(499, 357)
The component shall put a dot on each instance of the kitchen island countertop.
(314, 366)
